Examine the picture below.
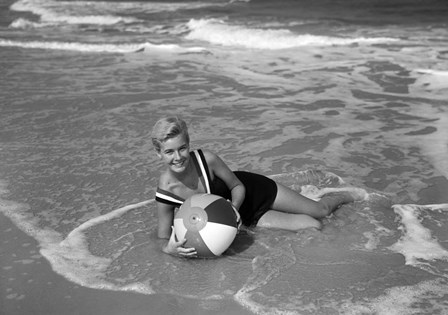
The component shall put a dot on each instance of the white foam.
(72, 258)
(87, 19)
(433, 81)
(402, 301)
(439, 73)
(417, 244)
(73, 238)
(18, 213)
(52, 12)
(22, 23)
(98, 48)
(374, 237)
(265, 269)
(219, 32)
(97, 12)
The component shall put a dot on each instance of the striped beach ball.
(208, 223)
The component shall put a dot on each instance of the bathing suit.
(260, 190)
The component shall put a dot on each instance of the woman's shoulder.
(165, 181)
(209, 156)
(213, 160)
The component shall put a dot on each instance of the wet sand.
(29, 286)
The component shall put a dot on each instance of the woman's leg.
(287, 221)
(293, 202)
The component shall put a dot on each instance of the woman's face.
(175, 153)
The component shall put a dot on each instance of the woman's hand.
(175, 247)
(237, 214)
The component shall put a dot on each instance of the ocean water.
(317, 94)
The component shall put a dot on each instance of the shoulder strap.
(201, 163)
(167, 197)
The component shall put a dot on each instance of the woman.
(259, 200)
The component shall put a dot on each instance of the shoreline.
(29, 286)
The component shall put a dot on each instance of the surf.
(97, 12)
(220, 32)
(120, 251)
(99, 48)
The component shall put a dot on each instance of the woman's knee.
(293, 202)
(311, 223)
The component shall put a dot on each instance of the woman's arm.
(220, 169)
(165, 220)
(166, 231)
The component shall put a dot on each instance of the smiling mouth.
(178, 164)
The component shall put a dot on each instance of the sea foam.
(98, 48)
(417, 244)
(51, 12)
(97, 12)
(218, 32)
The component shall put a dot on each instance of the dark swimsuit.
(260, 190)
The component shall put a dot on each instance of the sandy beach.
(318, 96)
(30, 286)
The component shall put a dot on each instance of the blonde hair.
(167, 128)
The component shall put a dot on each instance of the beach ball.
(208, 223)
